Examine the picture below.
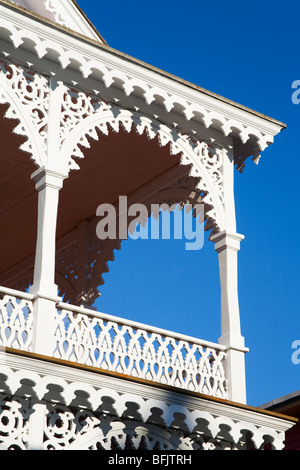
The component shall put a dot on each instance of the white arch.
(29, 105)
(192, 151)
(133, 430)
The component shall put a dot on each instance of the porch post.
(227, 246)
(48, 183)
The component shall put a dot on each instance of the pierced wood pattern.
(16, 322)
(13, 424)
(139, 352)
(47, 410)
(86, 117)
(27, 93)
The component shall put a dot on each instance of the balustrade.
(16, 319)
(111, 343)
(138, 350)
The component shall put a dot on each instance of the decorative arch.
(27, 95)
(110, 68)
(180, 193)
(131, 436)
(86, 117)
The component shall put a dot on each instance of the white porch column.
(36, 427)
(48, 183)
(227, 246)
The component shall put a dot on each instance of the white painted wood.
(44, 289)
(138, 350)
(48, 184)
(227, 246)
(82, 90)
(16, 319)
(36, 426)
(62, 12)
(137, 325)
(59, 387)
(111, 343)
(111, 67)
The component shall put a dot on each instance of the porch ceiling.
(118, 164)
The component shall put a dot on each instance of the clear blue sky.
(247, 52)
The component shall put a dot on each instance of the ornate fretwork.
(139, 352)
(27, 94)
(67, 262)
(85, 116)
(211, 159)
(15, 322)
(83, 259)
(81, 264)
(66, 267)
(84, 289)
(41, 410)
(110, 71)
(14, 421)
(54, 7)
(68, 428)
(98, 340)
(100, 252)
(76, 107)
(185, 195)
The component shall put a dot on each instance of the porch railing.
(16, 319)
(114, 344)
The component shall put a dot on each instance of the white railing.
(130, 348)
(114, 344)
(16, 319)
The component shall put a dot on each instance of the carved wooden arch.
(132, 435)
(28, 95)
(85, 116)
(109, 69)
(178, 194)
(100, 252)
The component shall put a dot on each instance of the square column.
(227, 246)
(48, 183)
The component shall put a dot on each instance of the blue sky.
(247, 52)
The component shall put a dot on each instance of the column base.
(233, 341)
(236, 375)
(45, 290)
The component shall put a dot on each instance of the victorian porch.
(82, 125)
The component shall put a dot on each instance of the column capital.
(50, 177)
(223, 240)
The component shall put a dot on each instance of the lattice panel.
(14, 424)
(139, 352)
(66, 428)
(16, 322)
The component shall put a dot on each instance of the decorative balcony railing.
(111, 343)
(16, 318)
